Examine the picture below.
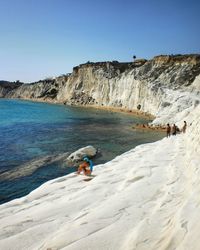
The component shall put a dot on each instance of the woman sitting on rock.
(86, 167)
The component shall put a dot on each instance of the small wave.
(29, 167)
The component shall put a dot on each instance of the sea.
(36, 137)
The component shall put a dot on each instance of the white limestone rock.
(78, 155)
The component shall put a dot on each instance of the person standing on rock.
(168, 130)
(184, 127)
(174, 129)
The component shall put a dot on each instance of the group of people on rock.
(87, 165)
(173, 130)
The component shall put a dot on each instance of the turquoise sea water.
(33, 134)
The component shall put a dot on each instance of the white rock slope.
(147, 198)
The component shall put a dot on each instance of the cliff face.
(6, 87)
(46, 90)
(155, 85)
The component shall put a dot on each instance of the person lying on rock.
(86, 167)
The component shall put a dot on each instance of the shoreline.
(147, 127)
(147, 191)
(109, 109)
(133, 112)
(126, 203)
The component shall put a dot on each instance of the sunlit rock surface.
(147, 198)
(154, 85)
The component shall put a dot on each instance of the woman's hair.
(85, 158)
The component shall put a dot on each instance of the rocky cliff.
(154, 85)
(45, 90)
(6, 87)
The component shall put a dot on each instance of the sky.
(47, 38)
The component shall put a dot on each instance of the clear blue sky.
(44, 38)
